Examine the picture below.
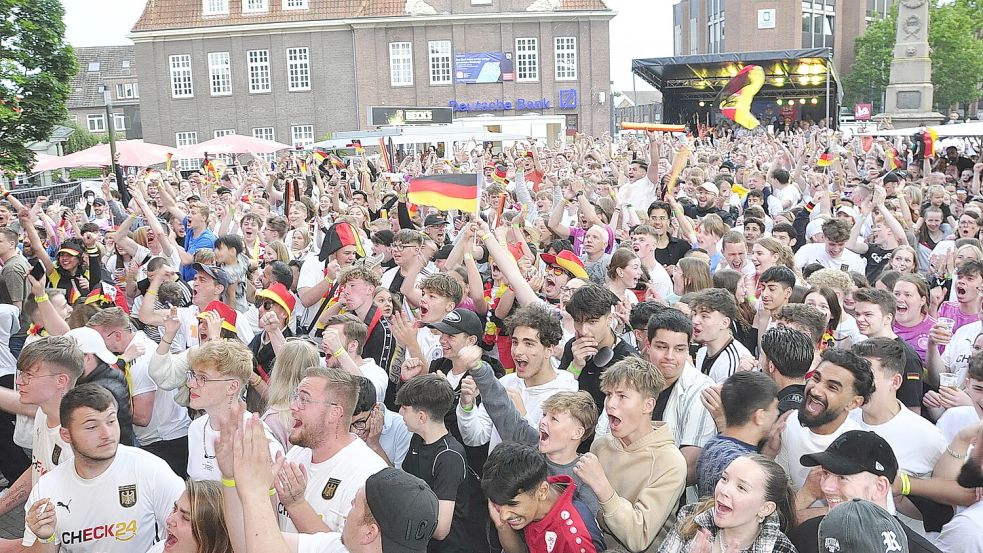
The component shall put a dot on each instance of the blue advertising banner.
(483, 67)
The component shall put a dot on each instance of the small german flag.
(892, 159)
(446, 191)
(98, 297)
(357, 144)
(825, 159)
(930, 138)
(73, 295)
(320, 155)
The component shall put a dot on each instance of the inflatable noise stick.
(654, 127)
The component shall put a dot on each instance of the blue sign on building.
(568, 99)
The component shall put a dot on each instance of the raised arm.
(506, 263)
(32, 236)
(555, 222)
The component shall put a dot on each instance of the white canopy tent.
(960, 129)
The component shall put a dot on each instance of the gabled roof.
(187, 14)
(107, 64)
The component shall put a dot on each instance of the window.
(298, 69)
(527, 59)
(302, 136)
(215, 7)
(440, 61)
(400, 64)
(266, 133)
(220, 73)
(566, 58)
(119, 122)
(252, 6)
(125, 64)
(96, 123)
(694, 37)
(181, 86)
(295, 4)
(74, 118)
(227, 158)
(182, 139)
(219, 133)
(93, 66)
(127, 91)
(481, 2)
(715, 26)
(818, 19)
(258, 66)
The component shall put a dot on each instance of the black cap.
(458, 321)
(859, 525)
(856, 451)
(405, 509)
(223, 190)
(213, 271)
(99, 201)
(891, 176)
(434, 219)
(383, 237)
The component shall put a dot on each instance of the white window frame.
(260, 6)
(401, 64)
(298, 69)
(220, 73)
(94, 66)
(219, 133)
(565, 58)
(182, 77)
(95, 118)
(301, 136)
(127, 91)
(258, 69)
(295, 5)
(527, 59)
(441, 62)
(188, 138)
(214, 7)
(119, 122)
(261, 132)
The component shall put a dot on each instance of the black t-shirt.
(911, 390)
(661, 402)
(380, 344)
(877, 258)
(590, 377)
(673, 252)
(805, 538)
(443, 467)
(791, 397)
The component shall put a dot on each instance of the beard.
(812, 421)
(308, 436)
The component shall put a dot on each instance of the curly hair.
(540, 319)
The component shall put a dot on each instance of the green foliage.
(956, 52)
(84, 173)
(36, 66)
(80, 139)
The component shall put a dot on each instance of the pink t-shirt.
(951, 310)
(916, 336)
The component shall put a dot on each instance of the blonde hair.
(696, 274)
(579, 405)
(635, 373)
(914, 255)
(714, 225)
(281, 251)
(834, 279)
(294, 359)
(229, 357)
(782, 252)
(207, 516)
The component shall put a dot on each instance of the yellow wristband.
(272, 492)
(151, 292)
(468, 409)
(228, 482)
(574, 370)
(41, 299)
(905, 483)
(49, 539)
(338, 352)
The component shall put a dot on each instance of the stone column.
(909, 94)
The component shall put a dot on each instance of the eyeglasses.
(267, 305)
(401, 247)
(303, 401)
(25, 377)
(360, 425)
(659, 218)
(200, 380)
(554, 270)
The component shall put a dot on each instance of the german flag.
(892, 159)
(930, 138)
(386, 159)
(320, 155)
(357, 144)
(735, 98)
(73, 295)
(98, 297)
(446, 192)
(825, 159)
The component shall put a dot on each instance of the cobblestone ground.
(12, 524)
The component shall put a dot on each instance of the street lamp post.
(117, 170)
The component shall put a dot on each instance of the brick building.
(294, 70)
(102, 69)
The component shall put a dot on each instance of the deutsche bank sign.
(567, 100)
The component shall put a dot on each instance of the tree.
(956, 52)
(36, 66)
(81, 138)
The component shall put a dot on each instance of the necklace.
(207, 464)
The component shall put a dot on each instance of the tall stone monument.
(909, 94)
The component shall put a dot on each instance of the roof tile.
(85, 84)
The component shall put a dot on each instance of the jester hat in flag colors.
(735, 98)
(227, 313)
(338, 236)
(567, 261)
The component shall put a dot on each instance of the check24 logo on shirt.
(121, 531)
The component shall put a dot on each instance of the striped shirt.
(725, 363)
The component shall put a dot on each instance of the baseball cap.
(444, 252)
(814, 228)
(90, 341)
(383, 237)
(405, 509)
(434, 219)
(213, 271)
(860, 525)
(458, 321)
(99, 201)
(854, 452)
(709, 187)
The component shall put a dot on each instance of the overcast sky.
(642, 29)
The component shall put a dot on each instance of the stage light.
(732, 70)
(816, 80)
(815, 101)
(802, 100)
(780, 101)
(702, 104)
(791, 102)
(780, 81)
(804, 80)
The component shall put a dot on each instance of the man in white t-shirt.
(843, 381)
(111, 498)
(159, 423)
(714, 315)
(641, 191)
(832, 253)
(337, 462)
(47, 370)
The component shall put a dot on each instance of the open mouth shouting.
(814, 406)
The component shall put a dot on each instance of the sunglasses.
(555, 271)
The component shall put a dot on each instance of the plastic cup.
(948, 380)
(948, 323)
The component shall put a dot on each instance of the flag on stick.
(735, 98)
(446, 191)
(825, 158)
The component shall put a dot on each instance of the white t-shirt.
(955, 419)
(429, 345)
(798, 440)
(322, 542)
(311, 273)
(377, 375)
(201, 449)
(9, 325)
(964, 533)
(917, 443)
(187, 335)
(660, 280)
(169, 420)
(332, 484)
(640, 194)
(816, 253)
(120, 511)
(727, 360)
(49, 450)
(960, 349)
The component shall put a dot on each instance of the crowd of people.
(776, 348)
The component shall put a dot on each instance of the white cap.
(90, 341)
(813, 228)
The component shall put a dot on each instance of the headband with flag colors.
(446, 191)
(735, 98)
